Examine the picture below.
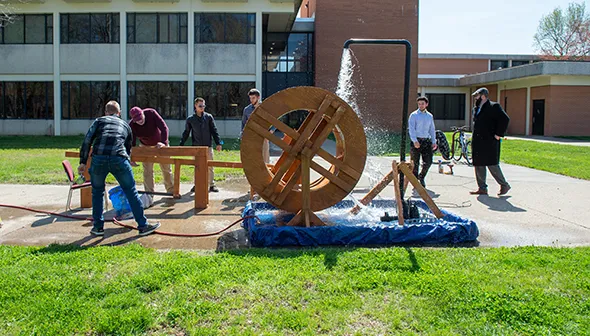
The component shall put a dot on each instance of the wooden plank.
(315, 120)
(305, 189)
(373, 192)
(270, 189)
(420, 189)
(339, 164)
(333, 178)
(263, 132)
(295, 178)
(262, 113)
(297, 219)
(323, 134)
(86, 193)
(177, 167)
(201, 183)
(171, 151)
(398, 197)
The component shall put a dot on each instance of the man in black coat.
(489, 125)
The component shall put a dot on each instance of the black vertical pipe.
(402, 146)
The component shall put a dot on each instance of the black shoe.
(97, 232)
(148, 229)
(213, 189)
(422, 182)
(193, 189)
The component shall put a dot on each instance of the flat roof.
(555, 68)
(514, 57)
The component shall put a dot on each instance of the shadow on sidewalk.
(499, 204)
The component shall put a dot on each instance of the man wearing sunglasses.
(202, 127)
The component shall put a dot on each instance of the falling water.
(346, 89)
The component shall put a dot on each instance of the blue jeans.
(120, 167)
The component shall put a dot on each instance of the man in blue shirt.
(423, 136)
(254, 96)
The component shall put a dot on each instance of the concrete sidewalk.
(541, 209)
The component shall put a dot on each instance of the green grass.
(64, 290)
(37, 160)
(583, 138)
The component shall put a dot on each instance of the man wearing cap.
(151, 130)
(489, 125)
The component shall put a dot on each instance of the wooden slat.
(293, 180)
(398, 197)
(374, 192)
(323, 135)
(201, 183)
(263, 132)
(420, 189)
(315, 120)
(305, 191)
(333, 178)
(270, 189)
(339, 164)
(177, 167)
(276, 123)
(192, 151)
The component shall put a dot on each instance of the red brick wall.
(514, 103)
(569, 112)
(380, 68)
(437, 66)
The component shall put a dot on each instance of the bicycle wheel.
(467, 153)
(456, 151)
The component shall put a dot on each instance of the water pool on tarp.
(366, 228)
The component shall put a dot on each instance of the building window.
(157, 28)
(496, 65)
(447, 106)
(168, 98)
(224, 100)
(26, 100)
(28, 29)
(89, 28)
(225, 28)
(86, 100)
(518, 63)
(288, 52)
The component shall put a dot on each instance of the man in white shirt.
(423, 136)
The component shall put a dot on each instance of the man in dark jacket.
(489, 125)
(202, 126)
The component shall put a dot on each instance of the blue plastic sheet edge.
(451, 229)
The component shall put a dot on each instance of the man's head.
(254, 96)
(137, 115)
(200, 105)
(481, 95)
(112, 108)
(422, 103)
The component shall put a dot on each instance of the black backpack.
(443, 145)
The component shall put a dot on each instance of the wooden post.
(177, 178)
(374, 192)
(398, 195)
(201, 178)
(305, 191)
(420, 189)
(86, 193)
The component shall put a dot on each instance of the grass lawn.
(37, 160)
(65, 290)
(583, 138)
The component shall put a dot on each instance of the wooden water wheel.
(287, 185)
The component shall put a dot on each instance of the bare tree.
(564, 35)
(6, 12)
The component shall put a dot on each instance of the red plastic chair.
(73, 186)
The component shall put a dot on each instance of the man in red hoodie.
(151, 130)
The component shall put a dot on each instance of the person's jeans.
(425, 151)
(120, 167)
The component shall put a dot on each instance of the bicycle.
(461, 144)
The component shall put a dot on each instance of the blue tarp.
(451, 229)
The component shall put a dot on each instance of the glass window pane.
(79, 28)
(236, 28)
(1, 98)
(35, 29)
(115, 27)
(14, 100)
(100, 29)
(49, 34)
(164, 28)
(174, 26)
(49, 90)
(146, 28)
(212, 28)
(15, 32)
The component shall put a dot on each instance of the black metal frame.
(48, 95)
(179, 28)
(66, 17)
(408, 45)
(249, 27)
(48, 24)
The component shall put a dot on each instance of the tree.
(564, 35)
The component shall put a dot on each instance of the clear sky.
(485, 27)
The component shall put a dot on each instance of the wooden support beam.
(333, 178)
(405, 169)
(397, 192)
(177, 167)
(373, 193)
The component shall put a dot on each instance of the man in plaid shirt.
(111, 138)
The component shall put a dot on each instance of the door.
(539, 117)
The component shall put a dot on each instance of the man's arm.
(412, 128)
(502, 120)
(128, 140)
(85, 149)
(432, 131)
(186, 133)
(161, 124)
(244, 121)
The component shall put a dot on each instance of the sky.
(484, 27)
